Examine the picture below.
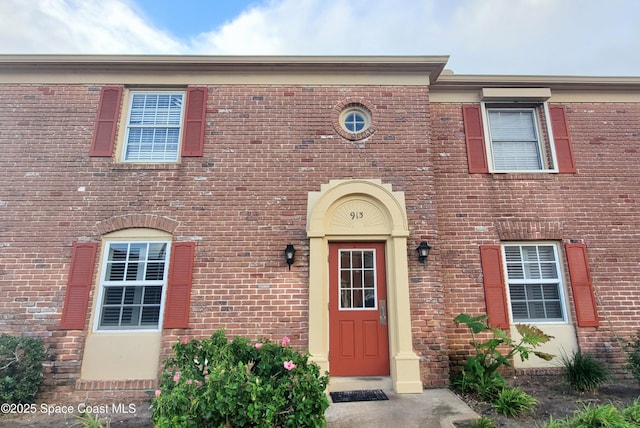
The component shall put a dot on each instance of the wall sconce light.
(290, 255)
(423, 252)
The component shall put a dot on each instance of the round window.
(355, 119)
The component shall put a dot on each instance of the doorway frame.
(383, 219)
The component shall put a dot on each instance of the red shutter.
(474, 134)
(176, 313)
(76, 300)
(104, 133)
(581, 287)
(561, 138)
(194, 121)
(494, 288)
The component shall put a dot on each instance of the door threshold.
(356, 383)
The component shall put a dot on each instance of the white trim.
(127, 117)
(562, 292)
(101, 287)
(375, 280)
(544, 143)
(552, 144)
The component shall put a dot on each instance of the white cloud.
(481, 36)
(546, 37)
(78, 26)
(336, 27)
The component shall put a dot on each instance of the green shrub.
(632, 413)
(513, 402)
(21, 371)
(87, 420)
(480, 372)
(605, 415)
(484, 422)
(220, 383)
(556, 423)
(583, 372)
(485, 387)
(633, 356)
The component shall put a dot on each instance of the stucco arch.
(323, 207)
(362, 210)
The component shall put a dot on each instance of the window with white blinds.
(534, 283)
(515, 142)
(153, 127)
(133, 279)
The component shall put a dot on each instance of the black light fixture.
(423, 252)
(290, 255)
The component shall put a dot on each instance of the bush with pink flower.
(216, 382)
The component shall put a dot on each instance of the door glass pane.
(345, 259)
(369, 280)
(345, 279)
(357, 299)
(357, 277)
(368, 259)
(345, 299)
(369, 298)
(356, 259)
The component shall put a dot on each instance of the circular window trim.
(348, 107)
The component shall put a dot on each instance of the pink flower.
(189, 381)
(184, 341)
(198, 383)
(285, 341)
(289, 365)
(176, 377)
(158, 392)
(258, 345)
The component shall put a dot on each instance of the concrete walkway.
(434, 408)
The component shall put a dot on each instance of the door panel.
(358, 336)
(347, 331)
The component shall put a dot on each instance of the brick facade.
(266, 147)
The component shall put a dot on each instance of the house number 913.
(355, 215)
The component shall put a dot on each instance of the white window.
(357, 279)
(132, 285)
(355, 119)
(515, 140)
(154, 127)
(534, 283)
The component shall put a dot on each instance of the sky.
(548, 37)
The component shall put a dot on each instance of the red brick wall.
(246, 199)
(597, 206)
(242, 203)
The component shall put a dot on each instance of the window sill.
(523, 175)
(145, 166)
(554, 322)
(125, 331)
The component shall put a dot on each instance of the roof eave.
(430, 65)
(476, 82)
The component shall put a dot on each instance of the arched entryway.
(363, 215)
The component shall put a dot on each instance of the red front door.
(358, 337)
